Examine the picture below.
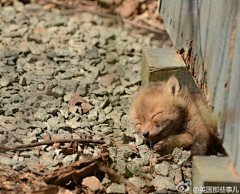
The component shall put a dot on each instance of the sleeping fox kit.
(169, 116)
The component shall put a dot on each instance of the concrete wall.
(207, 34)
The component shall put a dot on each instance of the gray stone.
(112, 152)
(94, 33)
(124, 152)
(69, 159)
(120, 166)
(128, 136)
(34, 50)
(138, 182)
(47, 159)
(19, 166)
(140, 161)
(69, 85)
(41, 115)
(188, 172)
(64, 111)
(112, 57)
(137, 47)
(119, 90)
(92, 54)
(67, 98)
(7, 161)
(82, 90)
(100, 92)
(74, 123)
(88, 151)
(64, 134)
(135, 168)
(104, 103)
(29, 153)
(29, 139)
(4, 81)
(102, 118)
(144, 151)
(106, 130)
(58, 92)
(163, 182)
(115, 115)
(106, 181)
(8, 14)
(162, 168)
(18, 6)
(33, 7)
(41, 86)
(30, 163)
(116, 188)
(177, 174)
(15, 98)
(53, 121)
(180, 156)
(93, 115)
(3, 139)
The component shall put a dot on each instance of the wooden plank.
(159, 64)
(214, 171)
(213, 58)
(232, 134)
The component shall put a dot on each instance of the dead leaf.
(132, 147)
(127, 8)
(55, 146)
(86, 107)
(177, 180)
(92, 183)
(26, 176)
(153, 160)
(150, 189)
(49, 6)
(40, 30)
(71, 148)
(46, 137)
(74, 99)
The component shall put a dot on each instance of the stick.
(49, 142)
(110, 171)
(117, 18)
(165, 158)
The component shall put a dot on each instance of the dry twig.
(49, 142)
(116, 18)
(77, 170)
(114, 174)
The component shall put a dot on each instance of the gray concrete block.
(212, 174)
(159, 64)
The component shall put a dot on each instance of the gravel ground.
(45, 61)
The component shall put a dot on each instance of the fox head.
(158, 111)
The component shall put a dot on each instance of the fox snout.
(145, 129)
(145, 134)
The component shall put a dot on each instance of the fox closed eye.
(157, 114)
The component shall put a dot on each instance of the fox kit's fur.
(168, 116)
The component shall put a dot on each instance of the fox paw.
(161, 146)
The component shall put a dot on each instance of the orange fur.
(169, 116)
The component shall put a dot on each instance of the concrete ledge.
(214, 175)
(159, 64)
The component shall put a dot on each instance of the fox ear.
(172, 87)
